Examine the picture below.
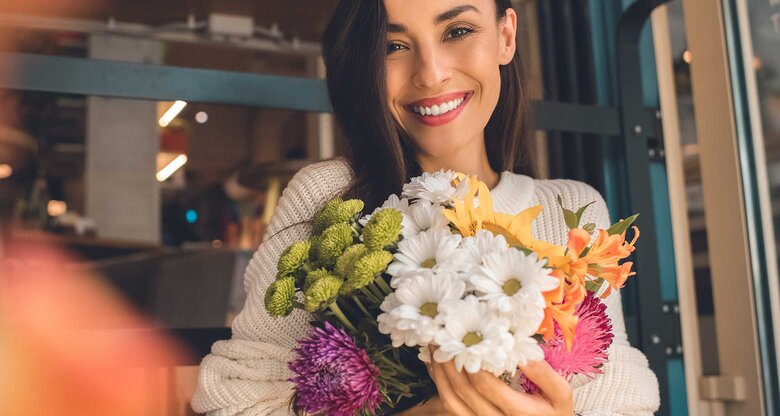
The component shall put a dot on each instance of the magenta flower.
(333, 375)
(592, 338)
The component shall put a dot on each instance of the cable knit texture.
(247, 374)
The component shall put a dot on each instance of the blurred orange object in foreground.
(64, 344)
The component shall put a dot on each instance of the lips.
(442, 109)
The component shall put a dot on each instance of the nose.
(432, 68)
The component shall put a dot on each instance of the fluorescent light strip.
(172, 167)
(172, 112)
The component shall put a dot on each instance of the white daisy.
(474, 336)
(425, 354)
(413, 317)
(424, 216)
(513, 281)
(436, 249)
(482, 244)
(525, 350)
(434, 187)
(401, 204)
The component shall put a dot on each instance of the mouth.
(439, 110)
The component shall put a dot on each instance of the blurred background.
(150, 141)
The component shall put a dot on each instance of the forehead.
(426, 11)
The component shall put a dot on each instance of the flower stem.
(363, 308)
(370, 295)
(376, 292)
(380, 281)
(339, 314)
(398, 367)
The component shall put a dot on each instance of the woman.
(420, 86)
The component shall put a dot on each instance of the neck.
(471, 160)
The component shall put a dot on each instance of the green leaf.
(582, 211)
(622, 225)
(571, 219)
(594, 285)
(589, 227)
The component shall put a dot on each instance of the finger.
(505, 398)
(447, 395)
(463, 388)
(552, 384)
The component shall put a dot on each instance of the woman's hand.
(483, 394)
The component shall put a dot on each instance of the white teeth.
(440, 109)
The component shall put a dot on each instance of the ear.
(507, 31)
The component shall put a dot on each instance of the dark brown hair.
(378, 150)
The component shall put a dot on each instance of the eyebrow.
(449, 14)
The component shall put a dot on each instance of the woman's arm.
(248, 373)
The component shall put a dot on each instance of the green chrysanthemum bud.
(333, 241)
(365, 269)
(383, 229)
(322, 293)
(336, 211)
(293, 257)
(346, 259)
(279, 297)
(313, 276)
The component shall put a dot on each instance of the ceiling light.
(172, 112)
(201, 117)
(172, 167)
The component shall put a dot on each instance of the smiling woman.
(418, 87)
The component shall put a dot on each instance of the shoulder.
(574, 194)
(323, 177)
(308, 190)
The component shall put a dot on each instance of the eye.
(459, 32)
(394, 47)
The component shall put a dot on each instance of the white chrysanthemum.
(475, 337)
(482, 244)
(416, 313)
(401, 204)
(525, 350)
(433, 249)
(425, 354)
(400, 279)
(424, 216)
(434, 187)
(513, 281)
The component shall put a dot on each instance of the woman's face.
(443, 79)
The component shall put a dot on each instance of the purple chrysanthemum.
(333, 375)
(592, 338)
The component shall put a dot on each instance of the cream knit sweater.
(247, 374)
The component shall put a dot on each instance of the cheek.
(395, 81)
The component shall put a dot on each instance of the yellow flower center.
(428, 264)
(498, 229)
(429, 309)
(472, 338)
(511, 286)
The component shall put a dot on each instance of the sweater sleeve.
(627, 386)
(248, 374)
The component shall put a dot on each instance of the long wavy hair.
(378, 150)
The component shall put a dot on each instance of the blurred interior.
(167, 201)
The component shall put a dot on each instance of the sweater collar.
(513, 193)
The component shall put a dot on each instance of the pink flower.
(592, 338)
(333, 375)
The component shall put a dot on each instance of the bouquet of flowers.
(438, 266)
